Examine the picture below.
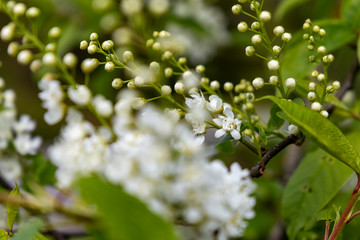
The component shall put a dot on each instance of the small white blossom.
(290, 83)
(258, 83)
(215, 104)
(228, 124)
(80, 95)
(273, 65)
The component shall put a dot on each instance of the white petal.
(218, 121)
(235, 134)
(228, 113)
(219, 133)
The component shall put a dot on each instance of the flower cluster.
(14, 133)
(261, 37)
(321, 88)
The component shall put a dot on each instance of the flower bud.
(138, 103)
(316, 28)
(179, 87)
(242, 27)
(314, 74)
(19, 9)
(89, 65)
(139, 81)
(182, 60)
(321, 77)
(214, 85)
(84, 45)
(316, 106)
(312, 86)
(265, 16)
(49, 59)
(228, 86)
(276, 50)
(165, 90)
(92, 49)
(168, 72)
(236, 9)
(127, 56)
(13, 49)
(117, 83)
(306, 26)
(94, 36)
(273, 65)
(258, 83)
(311, 96)
(32, 13)
(200, 69)
(324, 113)
(290, 83)
(286, 37)
(278, 30)
(24, 57)
(249, 51)
(109, 66)
(274, 80)
(36, 65)
(321, 50)
(330, 89)
(54, 33)
(156, 46)
(167, 55)
(255, 25)
(336, 85)
(256, 39)
(70, 60)
(7, 32)
(107, 45)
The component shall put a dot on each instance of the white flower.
(228, 124)
(316, 106)
(258, 83)
(265, 16)
(215, 104)
(102, 106)
(24, 144)
(197, 101)
(24, 125)
(80, 96)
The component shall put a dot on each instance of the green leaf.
(3, 235)
(321, 130)
(295, 58)
(274, 122)
(358, 47)
(287, 5)
(261, 133)
(314, 183)
(30, 231)
(123, 216)
(350, 12)
(12, 210)
(225, 147)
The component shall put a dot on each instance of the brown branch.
(258, 170)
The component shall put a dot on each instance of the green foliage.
(274, 122)
(30, 231)
(350, 12)
(12, 210)
(3, 235)
(124, 216)
(321, 130)
(287, 5)
(314, 183)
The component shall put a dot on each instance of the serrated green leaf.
(124, 216)
(12, 210)
(30, 230)
(274, 122)
(321, 130)
(314, 183)
(3, 235)
(350, 12)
